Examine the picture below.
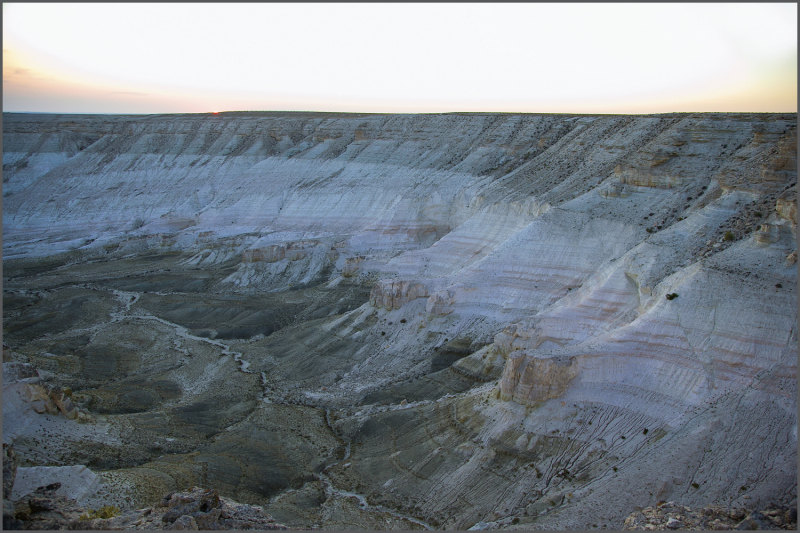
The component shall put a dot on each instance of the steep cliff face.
(540, 320)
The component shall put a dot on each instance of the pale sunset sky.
(400, 58)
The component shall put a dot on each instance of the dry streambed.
(171, 401)
(444, 321)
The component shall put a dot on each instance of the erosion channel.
(403, 321)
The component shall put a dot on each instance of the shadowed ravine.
(404, 321)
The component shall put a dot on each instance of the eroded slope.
(411, 320)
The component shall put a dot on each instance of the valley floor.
(404, 321)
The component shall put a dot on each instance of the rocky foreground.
(668, 515)
(195, 509)
(200, 509)
(488, 321)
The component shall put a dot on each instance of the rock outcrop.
(194, 509)
(42, 396)
(786, 205)
(43, 509)
(410, 321)
(529, 378)
(393, 294)
(669, 515)
(352, 266)
(270, 254)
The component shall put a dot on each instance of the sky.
(400, 57)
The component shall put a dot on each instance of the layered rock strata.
(406, 321)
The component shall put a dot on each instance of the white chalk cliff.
(628, 284)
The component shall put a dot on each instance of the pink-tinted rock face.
(393, 294)
(441, 302)
(528, 379)
(781, 167)
(269, 254)
(576, 314)
(298, 250)
(786, 205)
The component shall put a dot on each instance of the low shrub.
(107, 511)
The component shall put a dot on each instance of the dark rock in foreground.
(673, 516)
(195, 509)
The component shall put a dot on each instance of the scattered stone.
(756, 520)
(192, 510)
(673, 516)
(184, 522)
(502, 259)
(674, 523)
(195, 509)
(44, 509)
(42, 396)
(14, 371)
(180, 504)
(64, 404)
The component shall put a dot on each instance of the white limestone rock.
(559, 238)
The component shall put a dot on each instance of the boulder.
(767, 233)
(40, 397)
(44, 509)
(441, 302)
(64, 404)
(77, 481)
(614, 190)
(184, 522)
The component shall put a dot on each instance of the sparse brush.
(107, 511)
(728, 236)
(672, 296)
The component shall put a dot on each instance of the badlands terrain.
(454, 321)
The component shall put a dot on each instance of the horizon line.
(404, 113)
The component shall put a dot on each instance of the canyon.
(366, 321)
